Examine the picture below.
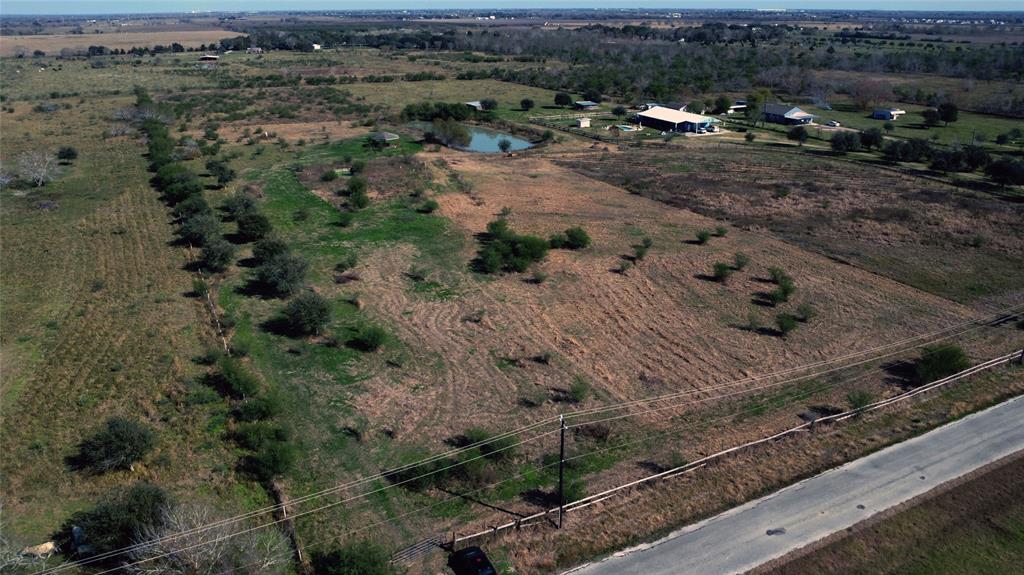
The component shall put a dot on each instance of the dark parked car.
(470, 561)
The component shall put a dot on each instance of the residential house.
(786, 114)
(669, 120)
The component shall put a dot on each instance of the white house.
(582, 122)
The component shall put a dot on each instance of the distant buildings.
(585, 105)
(786, 114)
(887, 113)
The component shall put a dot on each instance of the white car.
(833, 124)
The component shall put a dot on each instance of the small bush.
(740, 261)
(539, 276)
(67, 153)
(234, 379)
(217, 255)
(579, 388)
(428, 207)
(557, 241)
(329, 176)
(116, 520)
(118, 445)
(346, 263)
(721, 231)
(362, 558)
(493, 449)
(786, 323)
(307, 313)
(504, 250)
(576, 238)
(273, 459)
(703, 236)
(268, 248)
(722, 271)
(369, 338)
(805, 312)
(253, 226)
(254, 435)
(199, 287)
(859, 399)
(259, 408)
(937, 362)
(640, 250)
(284, 274)
(345, 219)
(359, 200)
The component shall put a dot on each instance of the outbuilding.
(582, 122)
(209, 58)
(384, 137)
(586, 105)
(887, 113)
(669, 120)
(786, 114)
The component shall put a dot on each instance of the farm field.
(54, 43)
(285, 270)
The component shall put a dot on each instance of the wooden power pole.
(561, 470)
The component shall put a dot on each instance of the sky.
(13, 7)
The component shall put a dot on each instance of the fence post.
(561, 470)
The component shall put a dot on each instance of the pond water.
(485, 140)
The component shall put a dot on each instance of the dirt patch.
(312, 132)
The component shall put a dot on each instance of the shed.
(586, 105)
(209, 58)
(887, 113)
(384, 137)
(786, 114)
(582, 122)
(669, 120)
(476, 105)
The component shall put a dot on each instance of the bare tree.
(38, 166)
(186, 544)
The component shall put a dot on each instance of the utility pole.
(561, 470)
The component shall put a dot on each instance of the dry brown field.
(54, 43)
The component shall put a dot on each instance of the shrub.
(557, 241)
(782, 293)
(357, 167)
(199, 229)
(428, 207)
(503, 249)
(329, 176)
(273, 459)
(259, 408)
(805, 312)
(283, 274)
(722, 271)
(217, 255)
(799, 134)
(539, 276)
(253, 435)
(233, 379)
(749, 137)
(576, 238)
(640, 250)
(740, 261)
(356, 185)
(720, 231)
(221, 171)
(359, 200)
(307, 313)
(362, 558)
(253, 226)
(579, 388)
(786, 323)
(192, 206)
(777, 275)
(368, 338)
(345, 219)
(526, 104)
(200, 287)
(118, 445)
(703, 236)
(238, 204)
(843, 142)
(859, 399)
(489, 104)
(937, 362)
(116, 520)
(67, 153)
(346, 263)
(269, 247)
(494, 449)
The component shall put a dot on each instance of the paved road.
(738, 540)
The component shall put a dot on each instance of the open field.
(104, 314)
(54, 43)
(976, 526)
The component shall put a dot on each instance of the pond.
(485, 140)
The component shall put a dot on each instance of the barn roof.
(673, 116)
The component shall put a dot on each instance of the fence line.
(1016, 356)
